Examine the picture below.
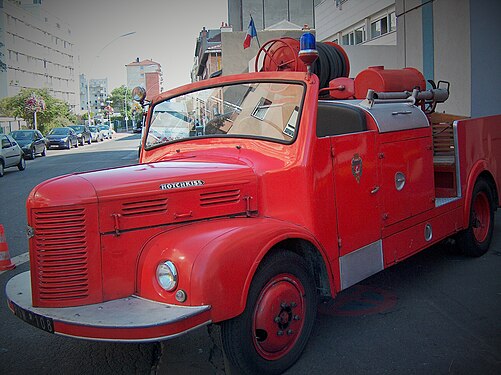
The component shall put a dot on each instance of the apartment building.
(145, 73)
(37, 51)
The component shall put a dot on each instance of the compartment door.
(357, 190)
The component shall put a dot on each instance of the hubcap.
(279, 316)
(481, 217)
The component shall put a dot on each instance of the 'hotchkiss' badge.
(356, 167)
(182, 184)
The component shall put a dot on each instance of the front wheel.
(22, 164)
(272, 332)
(32, 154)
(476, 239)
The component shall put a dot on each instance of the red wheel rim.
(278, 317)
(481, 219)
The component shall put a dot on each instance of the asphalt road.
(435, 313)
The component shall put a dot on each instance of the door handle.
(375, 190)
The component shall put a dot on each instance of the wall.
(485, 28)
(363, 56)
(331, 20)
(435, 38)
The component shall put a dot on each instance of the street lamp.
(101, 50)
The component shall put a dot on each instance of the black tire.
(476, 239)
(33, 154)
(2, 172)
(22, 164)
(260, 340)
(68, 144)
(44, 151)
(89, 141)
(76, 144)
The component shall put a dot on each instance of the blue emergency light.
(308, 50)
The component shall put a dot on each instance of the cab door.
(356, 190)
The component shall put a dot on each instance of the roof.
(284, 25)
(143, 63)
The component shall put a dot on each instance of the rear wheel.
(271, 333)
(22, 164)
(476, 239)
(1, 169)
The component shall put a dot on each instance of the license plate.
(39, 321)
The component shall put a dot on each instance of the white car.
(95, 134)
(106, 131)
(11, 155)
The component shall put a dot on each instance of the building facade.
(449, 40)
(147, 74)
(266, 13)
(36, 50)
(207, 60)
(349, 22)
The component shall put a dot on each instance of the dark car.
(83, 134)
(62, 138)
(11, 154)
(31, 141)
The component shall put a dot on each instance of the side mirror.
(138, 94)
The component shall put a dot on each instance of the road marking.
(18, 260)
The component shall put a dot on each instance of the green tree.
(117, 96)
(57, 112)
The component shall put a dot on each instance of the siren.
(308, 53)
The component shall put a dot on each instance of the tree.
(117, 96)
(56, 113)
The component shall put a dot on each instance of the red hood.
(153, 194)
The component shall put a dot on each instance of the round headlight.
(167, 275)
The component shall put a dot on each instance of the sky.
(166, 32)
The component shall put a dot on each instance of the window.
(383, 25)
(261, 109)
(356, 36)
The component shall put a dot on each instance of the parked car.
(83, 134)
(105, 131)
(95, 134)
(11, 155)
(62, 138)
(32, 142)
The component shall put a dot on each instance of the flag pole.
(257, 39)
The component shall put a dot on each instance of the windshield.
(93, 129)
(22, 136)
(103, 127)
(59, 131)
(77, 128)
(257, 110)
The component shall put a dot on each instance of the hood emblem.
(181, 184)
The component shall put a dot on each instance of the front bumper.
(58, 143)
(131, 319)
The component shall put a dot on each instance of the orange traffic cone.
(5, 263)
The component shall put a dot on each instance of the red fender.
(477, 168)
(216, 261)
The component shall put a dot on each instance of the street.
(435, 313)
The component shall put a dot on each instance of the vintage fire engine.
(256, 196)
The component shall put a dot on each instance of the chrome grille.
(220, 197)
(61, 254)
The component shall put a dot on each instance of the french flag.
(251, 33)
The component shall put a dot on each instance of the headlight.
(65, 139)
(167, 275)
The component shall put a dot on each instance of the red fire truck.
(256, 196)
